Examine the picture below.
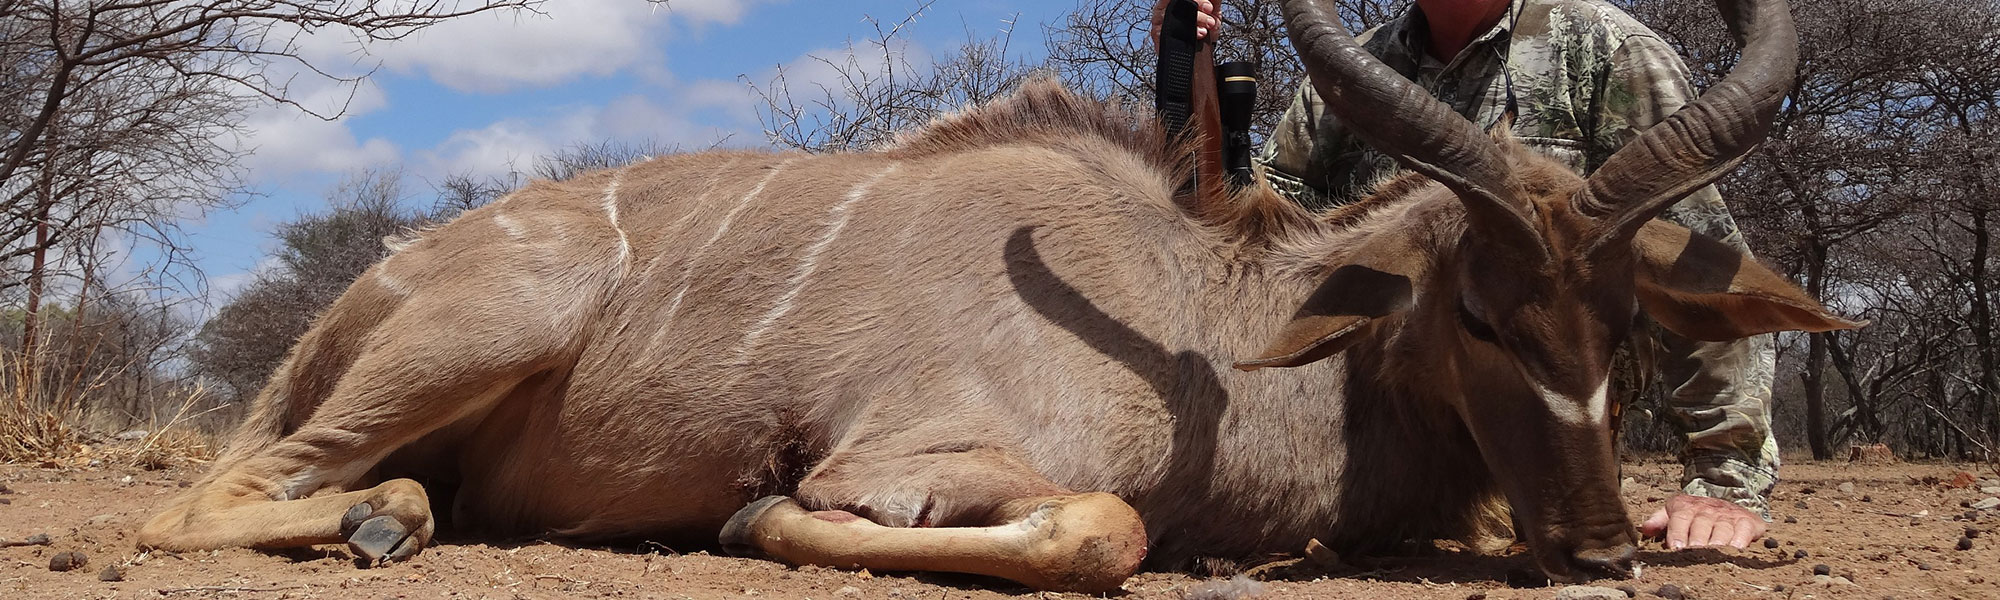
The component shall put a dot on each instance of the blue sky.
(488, 93)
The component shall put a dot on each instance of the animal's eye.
(1479, 329)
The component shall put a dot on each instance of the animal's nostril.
(1615, 560)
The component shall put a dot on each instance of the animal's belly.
(571, 462)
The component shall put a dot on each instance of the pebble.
(1847, 487)
(1770, 542)
(1630, 590)
(1923, 566)
(1587, 592)
(1964, 543)
(1670, 592)
(1988, 503)
(111, 573)
(849, 591)
(1801, 505)
(1800, 554)
(1822, 570)
(1972, 532)
(1791, 519)
(1989, 490)
(68, 561)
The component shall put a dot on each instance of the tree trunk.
(1987, 414)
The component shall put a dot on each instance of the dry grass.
(47, 424)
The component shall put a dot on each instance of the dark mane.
(1043, 112)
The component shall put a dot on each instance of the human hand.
(1205, 19)
(1694, 521)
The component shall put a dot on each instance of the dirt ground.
(1897, 534)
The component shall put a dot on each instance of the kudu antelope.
(1004, 346)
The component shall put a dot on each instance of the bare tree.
(111, 112)
(877, 90)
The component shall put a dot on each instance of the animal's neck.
(1404, 446)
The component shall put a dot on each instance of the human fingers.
(1679, 523)
(1655, 525)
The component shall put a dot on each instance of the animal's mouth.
(1604, 563)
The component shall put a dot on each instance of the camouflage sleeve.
(1286, 161)
(1721, 391)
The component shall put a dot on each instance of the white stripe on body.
(611, 213)
(809, 263)
(687, 265)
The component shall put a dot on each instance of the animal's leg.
(410, 379)
(998, 517)
(391, 521)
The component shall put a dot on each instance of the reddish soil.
(1896, 534)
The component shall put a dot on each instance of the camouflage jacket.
(1585, 78)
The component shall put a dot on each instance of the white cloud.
(694, 122)
(501, 51)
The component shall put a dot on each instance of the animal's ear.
(1703, 289)
(1374, 284)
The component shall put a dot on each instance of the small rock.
(1800, 554)
(1867, 498)
(1670, 592)
(68, 561)
(1801, 505)
(111, 573)
(849, 591)
(1791, 519)
(1972, 532)
(1630, 590)
(1234, 588)
(1989, 490)
(1587, 592)
(1476, 596)
(1770, 542)
(1923, 566)
(1989, 503)
(1846, 487)
(1842, 581)
(1916, 521)
(1822, 570)
(1964, 543)
(4, 490)
(1627, 484)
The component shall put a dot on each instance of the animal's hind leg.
(426, 366)
(975, 510)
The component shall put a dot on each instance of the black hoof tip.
(738, 538)
(377, 540)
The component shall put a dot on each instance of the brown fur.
(1008, 308)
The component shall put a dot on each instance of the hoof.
(380, 540)
(738, 537)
